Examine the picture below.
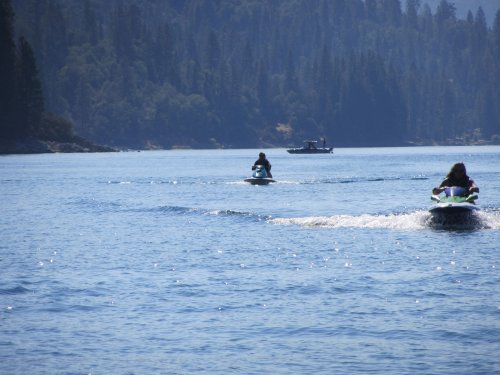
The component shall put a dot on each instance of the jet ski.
(455, 206)
(259, 176)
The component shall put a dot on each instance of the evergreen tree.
(445, 11)
(412, 7)
(8, 91)
(30, 100)
(291, 83)
(263, 86)
(480, 31)
(495, 38)
(90, 23)
(392, 11)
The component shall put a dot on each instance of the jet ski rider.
(457, 177)
(265, 163)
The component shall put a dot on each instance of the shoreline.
(36, 146)
(81, 145)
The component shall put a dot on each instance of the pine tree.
(445, 11)
(495, 39)
(31, 104)
(480, 30)
(412, 12)
(8, 94)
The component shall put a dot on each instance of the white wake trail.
(416, 220)
(409, 221)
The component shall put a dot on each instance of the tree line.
(22, 108)
(245, 73)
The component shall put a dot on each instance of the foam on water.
(414, 220)
(490, 219)
(408, 221)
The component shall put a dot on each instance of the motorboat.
(310, 148)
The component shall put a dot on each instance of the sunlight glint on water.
(166, 262)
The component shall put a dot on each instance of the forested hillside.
(247, 73)
(24, 123)
(463, 7)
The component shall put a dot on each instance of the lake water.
(165, 262)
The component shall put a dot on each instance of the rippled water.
(166, 262)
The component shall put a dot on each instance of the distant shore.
(35, 146)
(456, 142)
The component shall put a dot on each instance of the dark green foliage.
(243, 73)
(30, 97)
(8, 90)
(21, 98)
(55, 128)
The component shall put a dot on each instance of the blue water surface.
(166, 262)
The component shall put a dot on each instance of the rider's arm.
(440, 189)
(473, 188)
(437, 190)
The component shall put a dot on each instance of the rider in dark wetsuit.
(457, 177)
(264, 162)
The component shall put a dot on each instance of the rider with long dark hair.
(457, 177)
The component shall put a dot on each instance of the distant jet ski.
(259, 176)
(455, 206)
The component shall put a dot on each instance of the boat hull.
(259, 181)
(453, 212)
(310, 151)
